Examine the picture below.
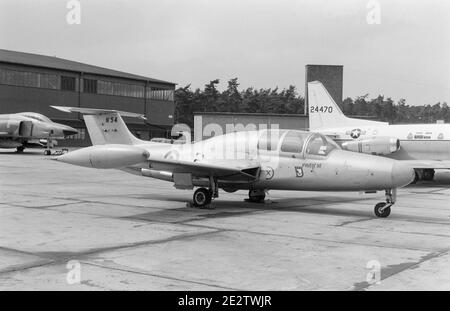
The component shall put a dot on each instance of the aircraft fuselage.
(417, 141)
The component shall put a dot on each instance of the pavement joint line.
(44, 206)
(90, 252)
(158, 276)
(305, 238)
(13, 250)
(410, 266)
(49, 207)
(18, 268)
(189, 223)
(255, 209)
(350, 222)
(423, 221)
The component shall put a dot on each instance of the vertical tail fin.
(323, 110)
(106, 126)
(325, 113)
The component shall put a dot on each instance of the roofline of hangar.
(56, 63)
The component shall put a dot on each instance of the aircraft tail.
(325, 113)
(106, 126)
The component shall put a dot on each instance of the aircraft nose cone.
(402, 174)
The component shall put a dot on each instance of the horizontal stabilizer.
(106, 126)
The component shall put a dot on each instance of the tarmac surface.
(64, 227)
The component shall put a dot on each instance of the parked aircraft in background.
(30, 129)
(253, 160)
(425, 147)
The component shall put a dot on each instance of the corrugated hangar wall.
(208, 124)
(32, 82)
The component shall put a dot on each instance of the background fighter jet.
(30, 129)
(424, 147)
(256, 161)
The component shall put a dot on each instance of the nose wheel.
(383, 209)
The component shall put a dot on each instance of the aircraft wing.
(225, 170)
(431, 164)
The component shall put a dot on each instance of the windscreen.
(36, 116)
(293, 142)
(320, 145)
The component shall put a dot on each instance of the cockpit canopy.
(296, 142)
(35, 116)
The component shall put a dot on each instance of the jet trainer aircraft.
(255, 160)
(30, 129)
(424, 147)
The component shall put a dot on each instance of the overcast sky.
(265, 43)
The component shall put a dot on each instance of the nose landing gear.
(383, 209)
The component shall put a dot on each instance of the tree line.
(289, 101)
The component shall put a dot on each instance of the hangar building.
(31, 82)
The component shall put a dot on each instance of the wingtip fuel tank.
(105, 156)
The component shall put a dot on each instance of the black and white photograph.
(241, 147)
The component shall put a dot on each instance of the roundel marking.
(172, 155)
(355, 133)
(269, 172)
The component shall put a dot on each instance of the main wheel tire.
(382, 213)
(256, 196)
(20, 149)
(47, 152)
(202, 197)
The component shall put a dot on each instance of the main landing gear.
(256, 195)
(383, 209)
(47, 150)
(20, 149)
(203, 197)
